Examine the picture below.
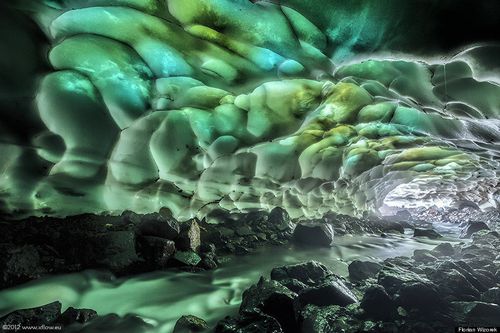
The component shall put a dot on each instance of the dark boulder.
(392, 227)
(156, 251)
(280, 220)
(423, 256)
(477, 313)
(453, 285)
(378, 304)
(190, 324)
(420, 296)
(155, 224)
(113, 250)
(332, 292)
(429, 233)
(327, 319)
(255, 323)
(313, 234)
(244, 230)
(43, 315)
(443, 249)
(20, 264)
(270, 298)
(362, 270)
(392, 277)
(113, 323)
(72, 315)
(491, 296)
(474, 227)
(309, 273)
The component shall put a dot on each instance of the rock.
(43, 315)
(294, 285)
(244, 230)
(423, 256)
(443, 249)
(113, 323)
(189, 236)
(156, 251)
(419, 296)
(313, 234)
(280, 220)
(255, 323)
(190, 324)
(326, 319)
(430, 233)
(155, 224)
(72, 315)
(362, 270)
(392, 277)
(332, 292)
(478, 313)
(189, 258)
(114, 250)
(474, 227)
(270, 298)
(393, 226)
(20, 264)
(309, 273)
(378, 304)
(492, 295)
(454, 285)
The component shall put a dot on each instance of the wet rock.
(156, 251)
(332, 292)
(43, 315)
(113, 323)
(114, 250)
(244, 231)
(19, 264)
(492, 295)
(378, 304)
(72, 315)
(190, 324)
(453, 285)
(270, 298)
(419, 296)
(188, 258)
(189, 236)
(309, 273)
(326, 319)
(423, 256)
(393, 227)
(477, 313)
(313, 234)
(429, 233)
(443, 249)
(280, 220)
(255, 323)
(473, 228)
(392, 277)
(362, 270)
(155, 224)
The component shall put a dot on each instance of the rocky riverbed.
(439, 280)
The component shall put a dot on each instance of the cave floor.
(160, 298)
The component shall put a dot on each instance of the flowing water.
(160, 298)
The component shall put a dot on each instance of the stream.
(160, 298)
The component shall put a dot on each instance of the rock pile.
(434, 291)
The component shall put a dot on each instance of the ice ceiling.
(198, 104)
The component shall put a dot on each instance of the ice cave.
(281, 166)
